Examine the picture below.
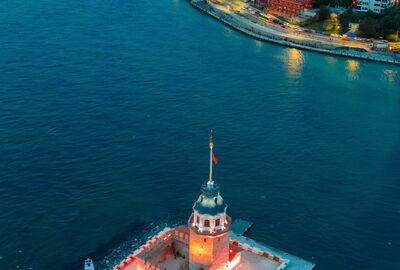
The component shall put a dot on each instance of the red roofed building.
(289, 7)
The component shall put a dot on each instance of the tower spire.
(210, 180)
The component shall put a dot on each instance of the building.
(208, 243)
(288, 8)
(377, 6)
(209, 227)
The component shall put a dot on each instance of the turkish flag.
(214, 159)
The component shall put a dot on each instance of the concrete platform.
(250, 261)
(294, 263)
(241, 226)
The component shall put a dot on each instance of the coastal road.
(241, 11)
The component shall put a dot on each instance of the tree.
(323, 13)
(346, 18)
(319, 3)
(346, 3)
(368, 27)
(389, 24)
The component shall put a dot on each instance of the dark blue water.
(105, 109)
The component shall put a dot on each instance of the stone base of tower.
(208, 252)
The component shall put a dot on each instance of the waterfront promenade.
(273, 33)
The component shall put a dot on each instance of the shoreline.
(316, 46)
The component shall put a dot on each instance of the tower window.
(217, 222)
(206, 223)
(198, 219)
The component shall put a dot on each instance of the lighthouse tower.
(209, 227)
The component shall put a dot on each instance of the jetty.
(240, 227)
(269, 34)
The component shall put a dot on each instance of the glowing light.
(352, 67)
(230, 251)
(391, 75)
(201, 250)
(234, 262)
(294, 61)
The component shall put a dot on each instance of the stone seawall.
(318, 46)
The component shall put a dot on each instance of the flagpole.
(210, 181)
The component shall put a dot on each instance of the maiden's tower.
(210, 241)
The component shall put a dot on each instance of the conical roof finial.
(210, 180)
(211, 139)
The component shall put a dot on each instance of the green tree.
(319, 3)
(323, 13)
(389, 24)
(346, 18)
(345, 3)
(368, 27)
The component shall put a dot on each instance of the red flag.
(214, 159)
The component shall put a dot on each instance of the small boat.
(89, 264)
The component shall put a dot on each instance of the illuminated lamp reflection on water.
(294, 60)
(352, 67)
(391, 75)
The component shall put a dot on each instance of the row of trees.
(371, 25)
(333, 3)
(374, 25)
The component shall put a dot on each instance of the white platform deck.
(295, 263)
(250, 261)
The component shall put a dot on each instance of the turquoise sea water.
(105, 109)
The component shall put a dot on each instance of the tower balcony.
(210, 231)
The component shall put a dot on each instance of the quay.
(269, 34)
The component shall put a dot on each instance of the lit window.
(206, 223)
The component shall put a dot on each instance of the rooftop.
(210, 201)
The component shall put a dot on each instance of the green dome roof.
(210, 201)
